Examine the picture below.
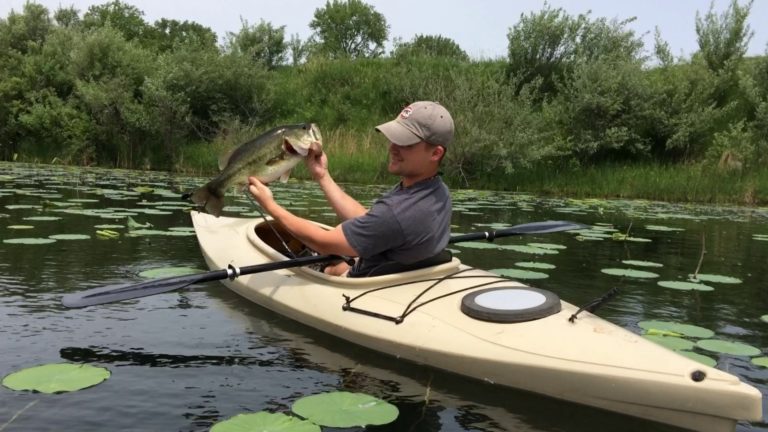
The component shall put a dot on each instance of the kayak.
(477, 324)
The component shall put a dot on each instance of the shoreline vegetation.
(578, 108)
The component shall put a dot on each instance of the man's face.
(412, 160)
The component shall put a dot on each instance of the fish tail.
(210, 198)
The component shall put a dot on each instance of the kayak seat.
(396, 267)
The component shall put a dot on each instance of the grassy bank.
(361, 158)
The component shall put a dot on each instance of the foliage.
(724, 39)
(263, 43)
(348, 29)
(430, 46)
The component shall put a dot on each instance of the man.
(409, 224)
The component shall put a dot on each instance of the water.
(182, 361)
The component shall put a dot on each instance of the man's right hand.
(317, 164)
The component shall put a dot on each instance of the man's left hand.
(261, 193)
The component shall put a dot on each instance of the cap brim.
(398, 134)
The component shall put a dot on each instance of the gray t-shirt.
(405, 225)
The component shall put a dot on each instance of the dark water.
(182, 361)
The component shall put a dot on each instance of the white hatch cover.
(510, 304)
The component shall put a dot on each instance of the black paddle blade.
(522, 229)
(119, 292)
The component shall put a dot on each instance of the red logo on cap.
(406, 112)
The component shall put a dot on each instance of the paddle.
(115, 293)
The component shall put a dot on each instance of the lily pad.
(42, 218)
(20, 227)
(107, 234)
(479, 245)
(642, 263)
(760, 361)
(344, 409)
(547, 245)
(684, 329)
(685, 286)
(629, 273)
(536, 265)
(764, 318)
(529, 249)
(69, 236)
(672, 342)
(726, 347)
(29, 241)
(265, 422)
(168, 272)
(662, 228)
(708, 361)
(56, 378)
(520, 274)
(715, 278)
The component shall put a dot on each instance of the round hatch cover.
(510, 304)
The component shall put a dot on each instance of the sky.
(480, 27)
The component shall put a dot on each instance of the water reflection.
(184, 360)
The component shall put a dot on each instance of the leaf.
(642, 263)
(714, 278)
(344, 409)
(168, 272)
(671, 342)
(683, 329)
(629, 273)
(708, 361)
(520, 274)
(725, 347)
(264, 422)
(29, 241)
(536, 265)
(760, 361)
(56, 377)
(685, 286)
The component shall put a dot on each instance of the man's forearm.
(344, 205)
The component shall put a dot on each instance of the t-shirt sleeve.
(374, 232)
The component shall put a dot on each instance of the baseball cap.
(420, 121)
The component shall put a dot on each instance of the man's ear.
(438, 152)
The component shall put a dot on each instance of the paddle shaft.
(115, 293)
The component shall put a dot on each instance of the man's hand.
(317, 164)
(261, 193)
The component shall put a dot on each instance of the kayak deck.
(589, 361)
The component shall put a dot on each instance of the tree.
(169, 33)
(724, 39)
(298, 48)
(262, 43)
(126, 19)
(430, 46)
(67, 17)
(25, 32)
(349, 29)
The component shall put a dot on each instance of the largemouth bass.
(268, 157)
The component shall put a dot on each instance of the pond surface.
(185, 360)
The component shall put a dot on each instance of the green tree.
(25, 32)
(724, 39)
(169, 34)
(430, 46)
(126, 19)
(67, 17)
(349, 29)
(262, 43)
(545, 47)
(298, 49)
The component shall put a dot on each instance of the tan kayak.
(474, 323)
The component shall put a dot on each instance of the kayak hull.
(590, 361)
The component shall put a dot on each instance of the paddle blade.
(119, 292)
(522, 229)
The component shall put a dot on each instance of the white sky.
(480, 27)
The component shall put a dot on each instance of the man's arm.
(316, 238)
(344, 205)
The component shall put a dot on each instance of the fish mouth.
(289, 148)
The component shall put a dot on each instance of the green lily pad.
(642, 263)
(29, 241)
(520, 274)
(536, 265)
(265, 422)
(479, 245)
(69, 236)
(760, 361)
(764, 318)
(685, 286)
(629, 273)
(672, 342)
(109, 226)
(107, 234)
(725, 347)
(529, 249)
(168, 272)
(56, 378)
(547, 245)
(708, 361)
(714, 278)
(684, 329)
(42, 218)
(344, 409)
(661, 228)
(20, 227)
(133, 224)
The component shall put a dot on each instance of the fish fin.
(207, 197)
(286, 175)
(224, 158)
